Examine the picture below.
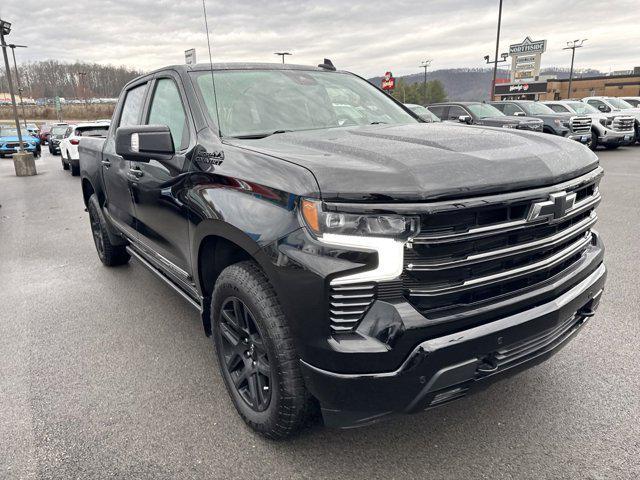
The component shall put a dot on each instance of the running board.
(165, 279)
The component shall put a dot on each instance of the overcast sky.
(368, 37)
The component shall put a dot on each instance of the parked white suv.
(607, 129)
(615, 105)
(69, 144)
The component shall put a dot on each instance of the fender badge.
(210, 158)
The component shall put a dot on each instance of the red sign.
(388, 82)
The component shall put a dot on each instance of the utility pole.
(425, 64)
(13, 47)
(572, 46)
(282, 54)
(83, 82)
(495, 65)
(5, 29)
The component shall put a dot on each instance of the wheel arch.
(215, 246)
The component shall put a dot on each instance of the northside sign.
(528, 46)
(388, 81)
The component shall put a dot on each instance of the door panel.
(161, 218)
(115, 169)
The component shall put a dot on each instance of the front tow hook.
(488, 365)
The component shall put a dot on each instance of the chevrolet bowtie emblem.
(554, 209)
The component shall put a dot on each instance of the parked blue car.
(9, 142)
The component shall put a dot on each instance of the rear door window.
(437, 110)
(132, 107)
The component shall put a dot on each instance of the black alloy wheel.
(245, 356)
(96, 231)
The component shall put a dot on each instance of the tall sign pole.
(5, 28)
(425, 64)
(495, 65)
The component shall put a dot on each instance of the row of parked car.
(595, 121)
(64, 139)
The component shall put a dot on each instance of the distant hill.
(475, 83)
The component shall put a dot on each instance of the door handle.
(136, 172)
(106, 163)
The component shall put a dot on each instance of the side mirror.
(141, 143)
(518, 114)
(464, 119)
(603, 108)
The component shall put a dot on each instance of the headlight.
(561, 123)
(510, 125)
(321, 222)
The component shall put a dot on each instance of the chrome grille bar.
(549, 262)
(550, 241)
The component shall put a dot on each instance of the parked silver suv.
(609, 130)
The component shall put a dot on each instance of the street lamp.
(13, 47)
(282, 54)
(572, 46)
(425, 64)
(503, 58)
(5, 29)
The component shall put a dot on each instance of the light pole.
(83, 82)
(13, 47)
(572, 46)
(495, 65)
(495, 62)
(282, 54)
(5, 29)
(425, 64)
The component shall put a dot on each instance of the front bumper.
(452, 366)
(11, 150)
(617, 138)
(579, 137)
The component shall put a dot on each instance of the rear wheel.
(255, 352)
(65, 165)
(109, 254)
(75, 169)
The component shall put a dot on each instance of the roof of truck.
(241, 66)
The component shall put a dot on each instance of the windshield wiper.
(255, 136)
(378, 123)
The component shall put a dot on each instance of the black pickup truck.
(365, 265)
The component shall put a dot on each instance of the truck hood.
(425, 161)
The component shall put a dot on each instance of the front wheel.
(111, 255)
(256, 354)
(593, 142)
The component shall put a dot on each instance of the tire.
(109, 254)
(75, 170)
(593, 143)
(50, 149)
(611, 147)
(269, 346)
(65, 165)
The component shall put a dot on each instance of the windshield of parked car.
(59, 130)
(482, 110)
(619, 103)
(582, 108)
(536, 109)
(257, 103)
(8, 132)
(424, 113)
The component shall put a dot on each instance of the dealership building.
(526, 83)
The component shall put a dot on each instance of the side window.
(499, 106)
(511, 109)
(437, 110)
(167, 109)
(132, 106)
(599, 105)
(455, 111)
(68, 132)
(557, 108)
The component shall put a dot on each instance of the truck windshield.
(482, 110)
(582, 108)
(619, 103)
(535, 108)
(258, 103)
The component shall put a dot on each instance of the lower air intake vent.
(348, 304)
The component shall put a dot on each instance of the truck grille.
(348, 304)
(581, 125)
(469, 256)
(623, 124)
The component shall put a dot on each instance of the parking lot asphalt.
(106, 373)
